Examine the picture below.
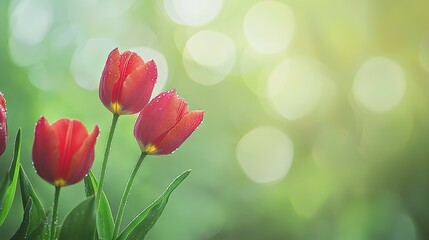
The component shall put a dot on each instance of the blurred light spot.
(114, 8)
(45, 77)
(398, 128)
(193, 12)
(30, 20)
(334, 151)
(379, 84)
(403, 228)
(26, 55)
(424, 53)
(88, 61)
(209, 57)
(161, 64)
(308, 188)
(354, 221)
(295, 86)
(251, 69)
(269, 26)
(37, 75)
(265, 154)
(63, 37)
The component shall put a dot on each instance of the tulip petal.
(109, 77)
(159, 116)
(3, 124)
(124, 61)
(70, 134)
(45, 150)
(138, 85)
(180, 132)
(82, 160)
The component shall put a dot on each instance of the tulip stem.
(54, 213)
(106, 156)
(124, 198)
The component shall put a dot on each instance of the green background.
(337, 149)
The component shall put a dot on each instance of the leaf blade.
(8, 188)
(80, 222)
(105, 223)
(23, 228)
(141, 225)
(38, 214)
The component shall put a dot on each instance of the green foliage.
(80, 222)
(34, 223)
(104, 214)
(8, 188)
(140, 226)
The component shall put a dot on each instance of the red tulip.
(127, 82)
(3, 124)
(165, 123)
(63, 152)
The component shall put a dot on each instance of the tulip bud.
(3, 124)
(165, 123)
(63, 152)
(127, 82)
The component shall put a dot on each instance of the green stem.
(54, 213)
(106, 156)
(124, 198)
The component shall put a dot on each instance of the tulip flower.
(127, 82)
(165, 123)
(3, 124)
(161, 127)
(63, 152)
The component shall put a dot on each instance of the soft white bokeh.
(193, 12)
(26, 55)
(265, 154)
(269, 26)
(89, 60)
(379, 84)
(209, 57)
(30, 20)
(424, 53)
(295, 86)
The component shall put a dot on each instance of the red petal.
(3, 124)
(45, 150)
(70, 134)
(2, 101)
(159, 116)
(138, 85)
(109, 77)
(179, 133)
(83, 159)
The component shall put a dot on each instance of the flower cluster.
(63, 153)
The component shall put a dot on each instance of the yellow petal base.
(116, 107)
(60, 182)
(150, 149)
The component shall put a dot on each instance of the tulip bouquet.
(63, 154)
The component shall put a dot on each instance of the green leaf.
(8, 188)
(140, 226)
(37, 215)
(80, 222)
(104, 214)
(34, 222)
(40, 232)
(22, 231)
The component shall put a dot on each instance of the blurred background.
(317, 112)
